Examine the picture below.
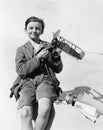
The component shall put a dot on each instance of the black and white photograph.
(51, 64)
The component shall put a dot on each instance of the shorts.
(30, 94)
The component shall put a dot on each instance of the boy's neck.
(35, 41)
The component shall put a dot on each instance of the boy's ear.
(25, 30)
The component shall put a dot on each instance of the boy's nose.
(34, 30)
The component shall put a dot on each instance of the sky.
(80, 21)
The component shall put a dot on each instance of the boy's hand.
(43, 54)
(59, 51)
(56, 53)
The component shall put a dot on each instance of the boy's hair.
(35, 19)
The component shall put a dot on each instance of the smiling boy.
(38, 87)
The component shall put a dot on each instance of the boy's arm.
(57, 63)
(25, 67)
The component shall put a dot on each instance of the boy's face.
(34, 30)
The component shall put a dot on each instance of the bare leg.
(35, 114)
(51, 118)
(26, 118)
(44, 107)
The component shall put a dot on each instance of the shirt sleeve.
(25, 67)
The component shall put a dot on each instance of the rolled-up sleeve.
(24, 66)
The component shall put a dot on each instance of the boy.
(36, 86)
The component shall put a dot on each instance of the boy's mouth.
(34, 34)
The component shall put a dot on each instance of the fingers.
(43, 53)
(59, 51)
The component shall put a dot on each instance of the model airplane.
(67, 46)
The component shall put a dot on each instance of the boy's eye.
(30, 28)
(37, 28)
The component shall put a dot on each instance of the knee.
(26, 112)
